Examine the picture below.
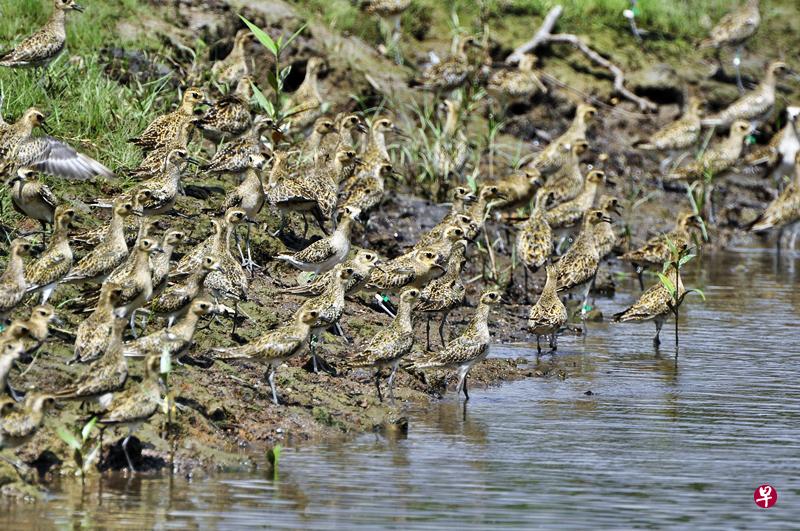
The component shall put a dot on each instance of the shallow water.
(656, 443)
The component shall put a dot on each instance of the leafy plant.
(83, 453)
(273, 456)
(277, 77)
(679, 258)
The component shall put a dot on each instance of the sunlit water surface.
(655, 443)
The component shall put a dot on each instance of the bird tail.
(620, 317)
(641, 144)
(761, 223)
(299, 290)
(677, 175)
(712, 121)
(232, 353)
(66, 394)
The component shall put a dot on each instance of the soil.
(222, 408)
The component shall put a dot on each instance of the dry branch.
(544, 35)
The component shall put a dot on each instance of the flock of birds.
(338, 174)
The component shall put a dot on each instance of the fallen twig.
(544, 36)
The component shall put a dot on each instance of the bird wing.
(48, 155)
(652, 303)
(457, 351)
(317, 252)
(47, 195)
(37, 47)
(132, 405)
(47, 268)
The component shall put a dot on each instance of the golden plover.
(276, 346)
(754, 105)
(174, 301)
(549, 314)
(654, 304)
(163, 129)
(445, 293)
(471, 347)
(325, 253)
(95, 332)
(45, 272)
(390, 344)
(136, 404)
(578, 267)
(230, 115)
(43, 46)
(33, 198)
(717, 159)
(13, 285)
(108, 254)
(305, 103)
(236, 65)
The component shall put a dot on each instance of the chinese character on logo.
(765, 496)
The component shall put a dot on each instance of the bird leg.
(640, 275)
(708, 202)
(378, 384)
(586, 293)
(553, 341)
(656, 339)
(340, 331)
(22, 469)
(125, 450)
(462, 381)
(391, 381)
(737, 60)
(585, 304)
(44, 232)
(441, 328)
(241, 253)
(271, 379)
(282, 227)
(235, 317)
(14, 394)
(428, 332)
(312, 340)
(383, 306)
(250, 263)
(133, 324)
(538, 344)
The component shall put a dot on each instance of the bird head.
(68, 5)
(491, 297)
(210, 264)
(21, 247)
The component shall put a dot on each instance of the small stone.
(589, 393)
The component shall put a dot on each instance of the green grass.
(681, 19)
(84, 106)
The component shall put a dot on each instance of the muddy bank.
(224, 411)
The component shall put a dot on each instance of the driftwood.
(544, 35)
